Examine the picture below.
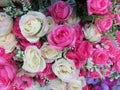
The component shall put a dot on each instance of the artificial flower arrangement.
(60, 45)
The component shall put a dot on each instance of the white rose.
(77, 84)
(6, 24)
(51, 23)
(56, 84)
(91, 33)
(64, 69)
(35, 86)
(33, 25)
(8, 42)
(49, 53)
(33, 62)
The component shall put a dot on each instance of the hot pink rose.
(61, 37)
(20, 83)
(104, 24)
(47, 74)
(118, 18)
(100, 56)
(93, 74)
(60, 11)
(7, 73)
(71, 54)
(118, 36)
(85, 50)
(79, 34)
(98, 6)
(22, 42)
(117, 66)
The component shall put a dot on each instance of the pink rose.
(100, 56)
(109, 46)
(117, 66)
(47, 74)
(61, 37)
(22, 42)
(20, 83)
(79, 34)
(118, 36)
(98, 6)
(7, 73)
(104, 24)
(75, 58)
(85, 50)
(60, 11)
(118, 18)
(94, 74)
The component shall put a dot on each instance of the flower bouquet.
(60, 45)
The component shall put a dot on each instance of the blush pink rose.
(20, 83)
(61, 37)
(60, 11)
(47, 74)
(71, 54)
(98, 6)
(100, 56)
(22, 42)
(104, 24)
(118, 18)
(85, 50)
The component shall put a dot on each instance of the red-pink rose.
(61, 37)
(22, 82)
(47, 74)
(98, 6)
(85, 50)
(79, 34)
(75, 58)
(93, 74)
(60, 11)
(100, 56)
(104, 24)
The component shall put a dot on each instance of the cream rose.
(56, 84)
(77, 84)
(91, 33)
(33, 25)
(64, 69)
(8, 42)
(49, 53)
(6, 24)
(33, 62)
(35, 86)
(51, 23)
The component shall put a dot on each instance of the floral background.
(60, 44)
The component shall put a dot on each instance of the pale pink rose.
(94, 74)
(61, 37)
(60, 11)
(22, 42)
(72, 55)
(118, 18)
(85, 50)
(104, 24)
(98, 6)
(100, 56)
(47, 74)
(20, 83)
